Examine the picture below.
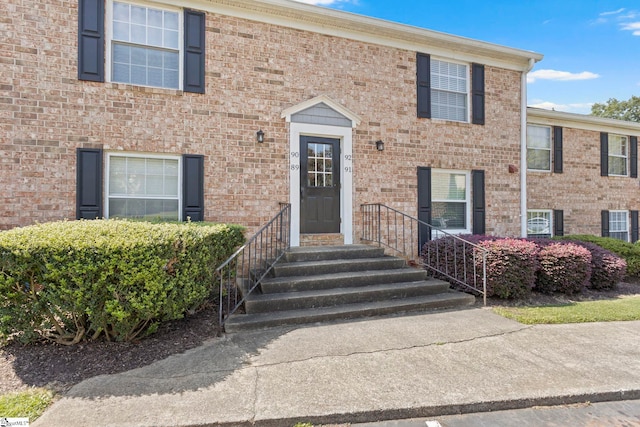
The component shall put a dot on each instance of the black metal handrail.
(455, 258)
(242, 272)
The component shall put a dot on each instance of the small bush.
(607, 269)
(511, 263)
(69, 281)
(630, 252)
(511, 267)
(564, 267)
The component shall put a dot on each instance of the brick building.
(221, 110)
(582, 175)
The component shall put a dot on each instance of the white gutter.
(523, 150)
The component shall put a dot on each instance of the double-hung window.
(144, 45)
(450, 200)
(538, 148)
(619, 225)
(449, 90)
(143, 186)
(618, 155)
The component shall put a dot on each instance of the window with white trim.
(449, 91)
(143, 45)
(539, 223)
(619, 225)
(143, 186)
(538, 148)
(450, 200)
(618, 154)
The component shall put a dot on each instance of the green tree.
(622, 110)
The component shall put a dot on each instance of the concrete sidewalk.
(390, 368)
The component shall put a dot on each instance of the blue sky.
(591, 48)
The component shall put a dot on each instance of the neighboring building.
(582, 175)
(126, 108)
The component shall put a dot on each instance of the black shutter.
(194, 51)
(477, 94)
(558, 223)
(88, 183)
(91, 40)
(634, 226)
(557, 149)
(479, 214)
(424, 205)
(423, 65)
(604, 154)
(605, 223)
(193, 187)
(633, 157)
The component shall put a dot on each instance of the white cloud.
(580, 108)
(560, 75)
(613, 12)
(634, 27)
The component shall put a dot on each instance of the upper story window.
(449, 91)
(618, 154)
(144, 45)
(451, 205)
(538, 148)
(143, 186)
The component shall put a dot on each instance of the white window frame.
(625, 157)
(109, 40)
(467, 92)
(467, 200)
(626, 223)
(540, 149)
(548, 212)
(141, 156)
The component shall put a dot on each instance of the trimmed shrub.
(511, 267)
(607, 269)
(630, 252)
(511, 263)
(76, 280)
(564, 267)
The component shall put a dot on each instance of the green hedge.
(630, 252)
(75, 280)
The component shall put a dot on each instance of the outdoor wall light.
(379, 145)
(260, 136)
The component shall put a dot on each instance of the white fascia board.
(538, 116)
(348, 25)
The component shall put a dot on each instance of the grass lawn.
(25, 404)
(625, 308)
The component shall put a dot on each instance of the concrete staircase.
(314, 284)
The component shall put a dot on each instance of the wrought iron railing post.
(243, 271)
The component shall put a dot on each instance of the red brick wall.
(253, 72)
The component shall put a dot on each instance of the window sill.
(145, 89)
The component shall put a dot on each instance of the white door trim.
(345, 135)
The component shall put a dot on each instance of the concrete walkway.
(391, 368)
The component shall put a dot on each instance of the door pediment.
(321, 110)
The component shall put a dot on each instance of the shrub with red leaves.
(564, 267)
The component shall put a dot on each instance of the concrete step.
(449, 299)
(341, 280)
(319, 253)
(311, 268)
(262, 303)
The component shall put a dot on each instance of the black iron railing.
(450, 256)
(242, 272)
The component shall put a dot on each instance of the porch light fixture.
(260, 136)
(379, 145)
